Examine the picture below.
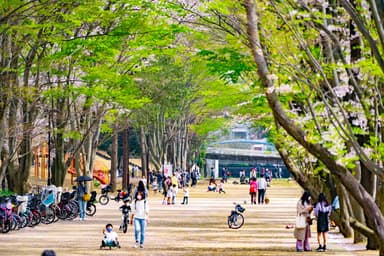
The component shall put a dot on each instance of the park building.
(240, 150)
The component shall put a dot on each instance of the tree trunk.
(114, 158)
(143, 146)
(357, 211)
(125, 173)
(344, 211)
(369, 183)
(13, 169)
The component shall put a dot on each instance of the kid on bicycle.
(125, 209)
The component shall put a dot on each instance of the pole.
(49, 149)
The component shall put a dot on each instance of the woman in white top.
(139, 217)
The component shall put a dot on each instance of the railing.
(242, 152)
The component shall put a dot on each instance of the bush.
(96, 183)
(6, 193)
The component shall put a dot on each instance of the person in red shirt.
(253, 190)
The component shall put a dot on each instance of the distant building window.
(239, 135)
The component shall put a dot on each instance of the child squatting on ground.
(110, 236)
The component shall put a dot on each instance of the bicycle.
(236, 219)
(104, 198)
(91, 207)
(125, 209)
(120, 196)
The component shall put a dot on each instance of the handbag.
(301, 221)
(86, 197)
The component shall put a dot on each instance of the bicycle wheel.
(235, 221)
(36, 219)
(5, 225)
(91, 209)
(125, 225)
(103, 199)
(47, 215)
(73, 209)
(55, 210)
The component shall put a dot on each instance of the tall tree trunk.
(344, 212)
(58, 121)
(13, 168)
(143, 145)
(369, 183)
(125, 174)
(357, 211)
(115, 143)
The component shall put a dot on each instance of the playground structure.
(100, 170)
(40, 166)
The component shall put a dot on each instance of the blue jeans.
(82, 208)
(140, 225)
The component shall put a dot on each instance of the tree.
(341, 170)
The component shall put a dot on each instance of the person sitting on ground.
(221, 187)
(212, 185)
(110, 236)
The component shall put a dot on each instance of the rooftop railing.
(242, 152)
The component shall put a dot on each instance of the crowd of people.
(169, 186)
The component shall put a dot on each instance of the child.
(322, 213)
(125, 209)
(186, 194)
(169, 195)
(110, 236)
(174, 191)
(154, 186)
(221, 187)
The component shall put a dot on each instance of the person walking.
(253, 190)
(302, 235)
(261, 189)
(141, 188)
(140, 218)
(160, 179)
(224, 174)
(81, 190)
(322, 212)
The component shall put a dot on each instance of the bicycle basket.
(239, 208)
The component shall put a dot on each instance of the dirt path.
(198, 228)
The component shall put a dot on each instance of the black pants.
(185, 200)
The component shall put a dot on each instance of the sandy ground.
(198, 228)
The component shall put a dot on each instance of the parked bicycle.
(236, 219)
(120, 196)
(104, 197)
(91, 207)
